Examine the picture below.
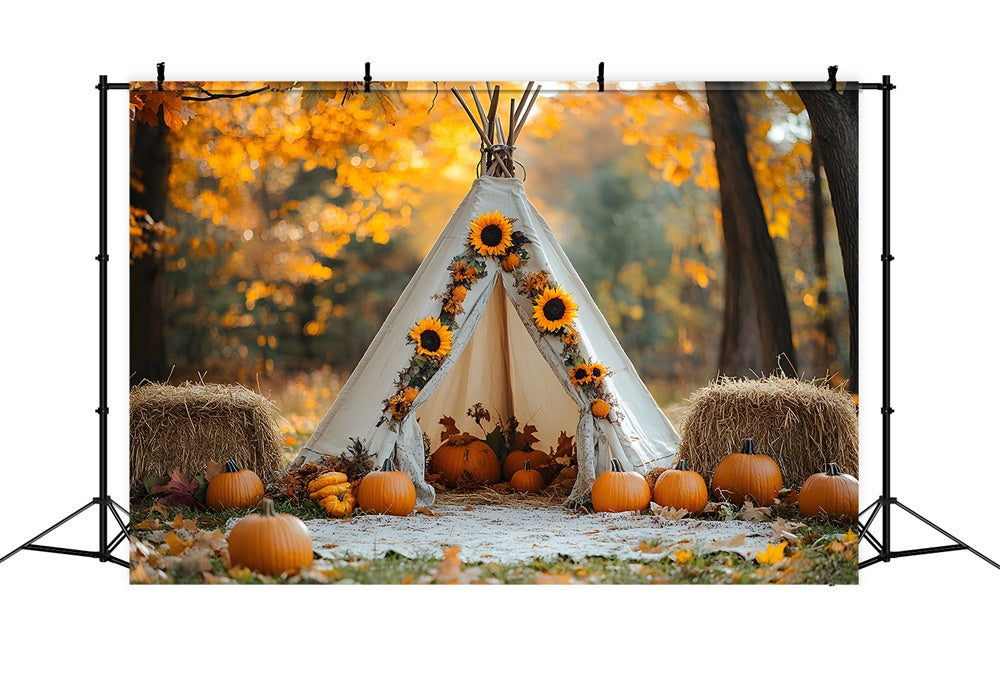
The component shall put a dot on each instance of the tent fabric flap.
(499, 357)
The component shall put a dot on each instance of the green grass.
(809, 561)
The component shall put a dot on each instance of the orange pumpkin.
(527, 479)
(270, 543)
(832, 493)
(681, 488)
(387, 492)
(516, 459)
(618, 490)
(234, 488)
(747, 474)
(474, 458)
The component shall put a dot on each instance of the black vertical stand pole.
(886, 501)
(103, 502)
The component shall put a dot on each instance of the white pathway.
(508, 534)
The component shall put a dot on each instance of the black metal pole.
(886, 260)
(102, 410)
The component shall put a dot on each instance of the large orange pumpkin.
(234, 488)
(619, 490)
(747, 474)
(681, 488)
(832, 493)
(516, 459)
(270, 543)
(474, 458)
(387, 492)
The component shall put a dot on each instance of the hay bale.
(802, 425)
(185, 426)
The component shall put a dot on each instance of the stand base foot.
(886, 554)
(103, 554)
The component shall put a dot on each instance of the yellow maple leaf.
(773, 554)
(849, 536)
(682, 556)
(175, 545)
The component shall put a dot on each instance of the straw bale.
(185, 426)
(802, 425)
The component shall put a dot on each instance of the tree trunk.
(827, 340)
(834, 118)
(147, 283)
(752, 271)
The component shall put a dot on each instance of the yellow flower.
(571, 338)
(432, 338)
(597, 372)
(682, 556)
(410, 394)
(536, 283)
(773, 554)
(600, 408)
(398, 407)
(452, 307)
(579, 375)
(490, 234)
(459, 293)
(510, 261)
(554, 309)
(458, 271)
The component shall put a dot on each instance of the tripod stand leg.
(27, 545)
(947, 535)
(865, 534)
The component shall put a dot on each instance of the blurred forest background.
(273, 226)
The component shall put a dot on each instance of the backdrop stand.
(106, 505)
(886, 501)
(103, 501)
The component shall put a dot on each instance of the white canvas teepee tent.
(502, 353)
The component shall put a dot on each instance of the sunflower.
(597, 372)
(432, 337)
(571, 338)
(580, 375)
(398, 407)
(554, 309)
(510, 262)
(490, 234)
(600, 408)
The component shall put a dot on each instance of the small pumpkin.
(516, 459)
(234, 488)
(329, 478)
(527, 479)
(681, 488)
(387, 491)
(338, 506)
(269, 542)
(618, 490)
(831, 492)
(329, 490)
(747, 474)
(461, 456)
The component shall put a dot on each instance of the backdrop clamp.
(600, 77)
(368, 77)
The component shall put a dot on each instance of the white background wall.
(918, 617)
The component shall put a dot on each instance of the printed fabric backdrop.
(438, 332)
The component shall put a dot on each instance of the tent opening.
(501, 368)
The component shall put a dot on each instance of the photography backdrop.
(275, 225)
(961, 645)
